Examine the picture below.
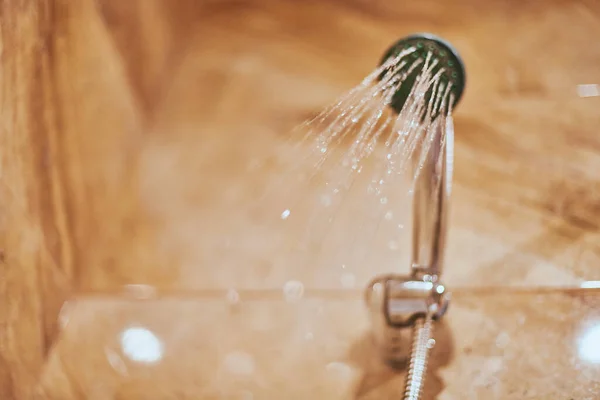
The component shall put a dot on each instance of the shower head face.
(448, 59)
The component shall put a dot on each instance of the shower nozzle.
(448, 59)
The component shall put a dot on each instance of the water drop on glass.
(232, 297)
(389, 215)
(293, 290)
(502, 340)
(383, 200)
(285, 214)
(116, 362)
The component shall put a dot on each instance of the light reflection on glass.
(339, 370)
(590, 90)
(589, 345)
(141, 345)
(590, 285)
(140, 291)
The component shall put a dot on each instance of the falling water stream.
(349, 195)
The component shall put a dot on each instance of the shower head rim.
(451, 51)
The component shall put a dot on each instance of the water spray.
(449, 63)
(404, 308)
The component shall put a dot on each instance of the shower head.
(447, 56)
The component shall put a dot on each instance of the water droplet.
(63, 315)
(323, 149)
(239, 363)
(389, 156)
(348, 280)
(293, 291)
(354, 120)
(383, 200)
(431, 343)
(285, 214)
(116, 362)
(502, 340)
(232, 297)
(389, 215)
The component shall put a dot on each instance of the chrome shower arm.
(430, 205)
